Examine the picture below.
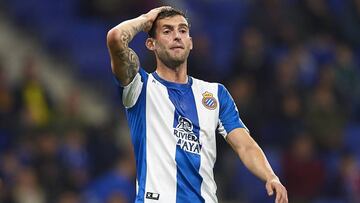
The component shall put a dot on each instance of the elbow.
(113, 36)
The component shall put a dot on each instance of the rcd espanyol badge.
(209, 101)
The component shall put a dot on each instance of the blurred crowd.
(49, 154)
(292, 67)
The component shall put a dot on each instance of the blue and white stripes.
(173, 128)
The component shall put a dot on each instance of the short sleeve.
(229, 118)
(131, 92)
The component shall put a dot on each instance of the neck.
(176, 74)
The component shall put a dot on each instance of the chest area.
(190, 109)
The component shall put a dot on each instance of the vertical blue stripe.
(188, 164)
(136, 116)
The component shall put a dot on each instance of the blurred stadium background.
(292, 67)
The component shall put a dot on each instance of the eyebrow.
(171, 26)
(183, 25)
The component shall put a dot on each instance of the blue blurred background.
(292, 67)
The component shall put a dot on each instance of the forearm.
(254, 159)
(120, 36)
(250, 153)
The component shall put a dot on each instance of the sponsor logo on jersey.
(186, 139)
(152, 195)
(209, 101)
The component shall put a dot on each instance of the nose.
(177, 36)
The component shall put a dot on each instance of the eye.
(166, 31)
(183, 30)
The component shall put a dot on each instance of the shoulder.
(217, 89)
(220, 88)
(199, 82)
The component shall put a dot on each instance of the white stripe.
(132, 91)
(222, 131)
(160, 143)
(208, 123)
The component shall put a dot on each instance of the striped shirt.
(173, 128)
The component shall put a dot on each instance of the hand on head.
(152, 14)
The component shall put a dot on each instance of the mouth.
(177, 47)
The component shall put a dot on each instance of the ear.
(150, 44)
(191, 43)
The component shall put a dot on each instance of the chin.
(180, 57)
(174, 63)
(173, 60)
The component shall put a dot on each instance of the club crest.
(209, 101)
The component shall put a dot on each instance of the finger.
(167, 7)
(162, 8)
(286, 197)
(281, 196)
(278, 197)
(269, 189)
(159, 9)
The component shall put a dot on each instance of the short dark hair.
(164, 14)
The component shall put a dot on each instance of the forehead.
(172, 21)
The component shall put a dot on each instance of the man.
(173, 117)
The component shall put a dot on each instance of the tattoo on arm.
(127, 56)
(130, 61)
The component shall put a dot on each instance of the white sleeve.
(131, 92)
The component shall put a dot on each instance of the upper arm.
(124, 61)
(240, 140)
(229, 118)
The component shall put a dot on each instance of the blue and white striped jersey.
(173, 129)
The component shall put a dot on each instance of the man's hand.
(151, 16)
(275, 185)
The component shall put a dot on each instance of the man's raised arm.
(124, 61)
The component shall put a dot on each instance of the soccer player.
(173, 117)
